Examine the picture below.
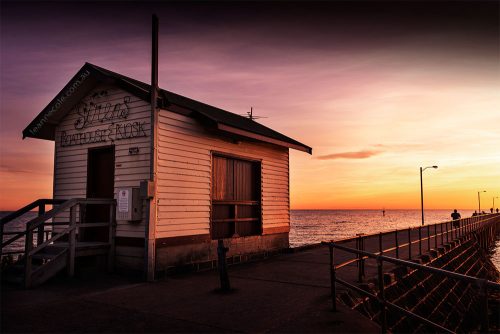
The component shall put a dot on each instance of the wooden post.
(72, 241)
(222, 266)
(112, 232)
(381, 295)
(409, 243)
(333, 279)
(40, 235)
(28, 246)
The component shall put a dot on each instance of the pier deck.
(287, 293)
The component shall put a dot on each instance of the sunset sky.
(377, 89)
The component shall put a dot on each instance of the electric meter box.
(129, 204)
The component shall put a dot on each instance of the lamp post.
(494, 202)
(422, 191)
(479, 200)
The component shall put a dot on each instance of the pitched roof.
(43, 126)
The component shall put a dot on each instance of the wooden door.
(100, 184)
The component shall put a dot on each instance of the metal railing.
(404, 240)
(464, 227)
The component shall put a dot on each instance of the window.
(235, 198)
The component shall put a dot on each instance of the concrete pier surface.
(286, 293)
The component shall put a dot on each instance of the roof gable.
(89, 76)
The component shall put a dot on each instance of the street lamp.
(479, 200)
(422, 191)
(494, 202)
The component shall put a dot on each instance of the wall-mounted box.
(128, 204)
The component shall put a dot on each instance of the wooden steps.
(50, 261)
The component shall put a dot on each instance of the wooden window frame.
(235, 202)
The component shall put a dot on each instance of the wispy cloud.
(364, 154)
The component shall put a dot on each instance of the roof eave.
(248, 134)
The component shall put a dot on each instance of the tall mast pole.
(151, 225)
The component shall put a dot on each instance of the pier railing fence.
(408, 248)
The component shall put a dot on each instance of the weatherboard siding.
(70, 170)
(184, 177)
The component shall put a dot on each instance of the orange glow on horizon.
(375, 96)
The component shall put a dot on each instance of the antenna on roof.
(251, 115)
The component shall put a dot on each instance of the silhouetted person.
(456, 216)
(497, 210)
(491, 209)
(475, 213)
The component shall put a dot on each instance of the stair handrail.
(70, 230)
(40, 203)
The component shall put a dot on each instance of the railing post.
(381, 295)
(420, 240)
(428, 237)
(397, 244)
(380, 249)
(40, 234)
(333, 278)
(28, 247)
(361, 260)
(72, 241)
(447, 233)
(409, 243)
(442, 237)
(112, 232)
(435, 237)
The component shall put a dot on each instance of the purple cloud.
(364, 154)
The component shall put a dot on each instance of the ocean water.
(313, 226)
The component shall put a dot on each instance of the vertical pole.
(409, 243)
(222, 266)
(381, 295)
(435, 237)
(72, 241)
(361, 263)
(40, 235)
(447, 233)
(479, 201)
(333, 279)
(380, 249)
(428, 237)
(152, 207)
(442, 236)
(397, 244)
(420, 240)
(421, 196)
